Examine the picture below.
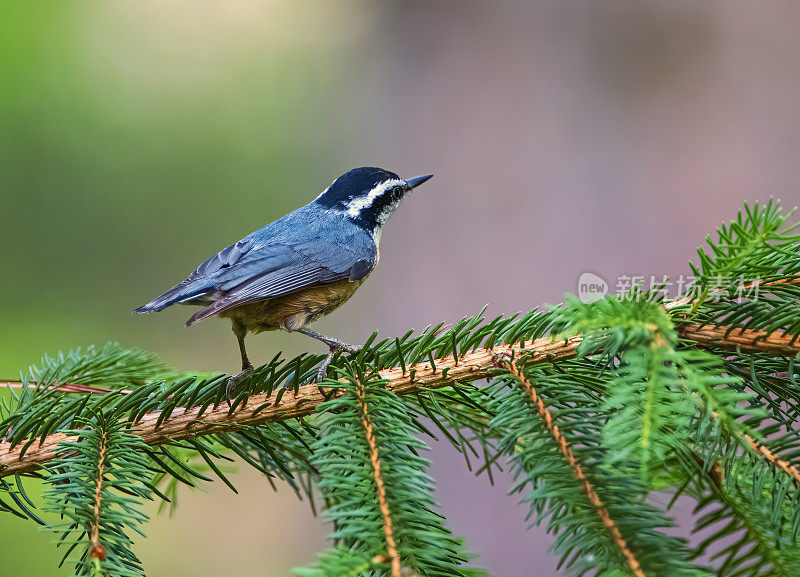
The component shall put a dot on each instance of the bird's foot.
(334, 346)
(230, 388)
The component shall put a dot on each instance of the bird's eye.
(398, 190)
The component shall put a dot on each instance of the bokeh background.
(137, 138)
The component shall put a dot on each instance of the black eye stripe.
(376, 213)
(354, 184)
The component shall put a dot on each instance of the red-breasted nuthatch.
(298, 268)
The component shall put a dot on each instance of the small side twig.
(391, 544)
(546, 416)
(785, 466)
(98, 552)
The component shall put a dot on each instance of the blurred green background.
(135, 141)
(138, 138)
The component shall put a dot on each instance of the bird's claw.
(230, 388)
(322, 371)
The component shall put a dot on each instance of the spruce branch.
(781, 464)
(186, 422)
(650, 387)
(375, 482)
(96, 485)
(374, 457)
(573, 393)
(559, 438)
(595, 405)
(98, 551)
(754, 514)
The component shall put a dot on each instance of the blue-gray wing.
(282, 266)
(200, 286)
(299, 250)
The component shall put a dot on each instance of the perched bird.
(298, 268)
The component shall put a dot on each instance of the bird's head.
(368, 195)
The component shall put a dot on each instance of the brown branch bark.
(712, 336)
(187, 422)
(184, 422)
(64, 387)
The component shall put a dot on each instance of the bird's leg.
(334, 346)
(240, 331)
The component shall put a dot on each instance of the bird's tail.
(181, 292)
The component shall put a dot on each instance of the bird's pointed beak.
(417, 180)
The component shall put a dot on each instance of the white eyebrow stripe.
(358, 204)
